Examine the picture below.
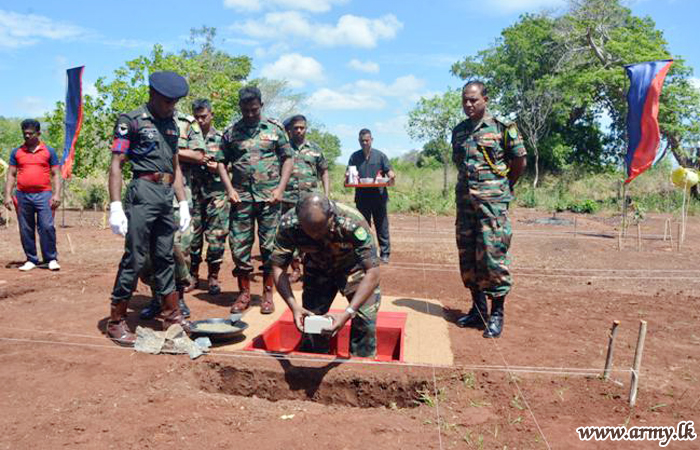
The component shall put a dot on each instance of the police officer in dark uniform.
(148, 137)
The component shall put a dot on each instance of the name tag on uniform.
(268, 137)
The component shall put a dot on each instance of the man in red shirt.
(35, 167)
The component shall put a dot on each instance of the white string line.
(515, 381)
(265, 355)
(564, 275)
(517, 385)
(485, 367)
(436, 391)
(516, 267)
(588, 233)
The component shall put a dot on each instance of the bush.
(586, 206)
(95, 195)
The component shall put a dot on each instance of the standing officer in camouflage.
(310, 168)
(490, 157)
(211, 208)
(261, 161)
(339, 255)
(148, 137)
(191, 155)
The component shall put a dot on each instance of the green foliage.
(432, 120)
(10, 136)
(329, 143)
(211, 73)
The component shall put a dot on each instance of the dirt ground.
(64, 385)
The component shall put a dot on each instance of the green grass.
(419, 191)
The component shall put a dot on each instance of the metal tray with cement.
(218, 329)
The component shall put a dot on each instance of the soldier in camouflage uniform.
(191, 155)
(490, 156)
(261, 161)
(339, 255)
(211, 208)
(310, 167)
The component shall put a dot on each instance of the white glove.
(185, 217)
(117, 219)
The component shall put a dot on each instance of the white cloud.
(366, 94)
(393, 126)
(350, 30)
(31, 106)
(294, 68)
(275, 49)
(329, 99)
(695, 82)
(90, 89)
(23, 30)
(315, 6)
(127, 43)
(364, 66)
(511, 6)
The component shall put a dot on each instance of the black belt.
(157, 177)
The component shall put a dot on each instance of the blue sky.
(360, 63)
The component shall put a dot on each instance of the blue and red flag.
(646, 81)
(74, 118)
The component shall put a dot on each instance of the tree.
(211, 73)
(280, 101)
(432, 120)
(536, 107)
(578, 58)
(329, 142)
(10, 136)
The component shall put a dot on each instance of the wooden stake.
(70, 243)
(667, 228)
(678, 236)
(575, 226)
(624, 209)
(670, 234)
(611, 344)
(681, 235)
(637, 362)
(639, 237)
(619, 240)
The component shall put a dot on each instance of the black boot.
(151, 310)
(184, 309)
(494, 327)
(478, 315)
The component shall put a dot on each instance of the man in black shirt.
(370, 201)
(148, 138)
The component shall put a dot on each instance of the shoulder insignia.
(512, 132)
(276, 123)
(123, 129)
(360, 233)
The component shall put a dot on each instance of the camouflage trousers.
(242, 221)
(320, 288)
(181, 251)
(210, 214)
(483, 238)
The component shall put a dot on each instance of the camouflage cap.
(169, 84)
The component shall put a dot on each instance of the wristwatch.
(351, 311)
